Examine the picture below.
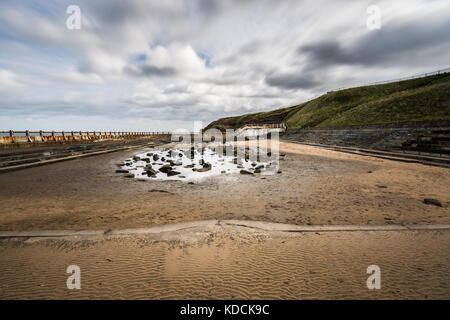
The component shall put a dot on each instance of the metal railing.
(416, 76)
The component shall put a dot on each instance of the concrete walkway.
(207, 225)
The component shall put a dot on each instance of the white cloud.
(9, 81)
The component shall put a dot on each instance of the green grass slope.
(415, 100)
(275, 116)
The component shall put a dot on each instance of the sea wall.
(381, 137)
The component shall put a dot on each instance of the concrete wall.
(381, 137)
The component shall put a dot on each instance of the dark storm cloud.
(292, 80)
(395, 44)
(150, 71)
(392, 45)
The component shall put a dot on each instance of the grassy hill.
(415, 100)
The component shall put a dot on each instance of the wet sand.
(316, 187)
(227, 262)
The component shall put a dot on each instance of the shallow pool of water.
(193, 165)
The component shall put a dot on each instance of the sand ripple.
(232, 263)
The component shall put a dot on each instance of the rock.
(245, 172)
(432, 201)
(279, 171)
(163, 159)
(203, 169)
(172, 173)
(122, 171)
(261, 166)
(182, 177)
(136, 158)
(151, 172)
(201, 162)
(207, 165)
(223, 171)
(189, 166)
(131, 175)
(257, 171)
(165, 168)
(155, 157)
(190, 182)
(158, 190)
(254, 164)
(146, 160)
(150, 154)
(240, 166)
(382, 186)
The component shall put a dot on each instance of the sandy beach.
(316, 187)
(229, 262)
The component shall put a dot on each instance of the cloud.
(175, 59)
(9, 81)
(293, 80)
(183, 60)
(392, 44)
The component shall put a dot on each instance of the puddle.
(193, 165)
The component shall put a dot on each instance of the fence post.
(41, 134)
(11, 135)
(27, 133)
(63, 135)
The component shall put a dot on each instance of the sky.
(161, 65)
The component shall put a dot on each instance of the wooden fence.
(27, 136)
